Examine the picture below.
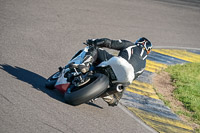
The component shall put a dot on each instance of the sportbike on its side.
(81, 87)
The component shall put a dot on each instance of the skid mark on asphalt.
(141, 98)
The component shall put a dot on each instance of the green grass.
(166, 102)
(186, 79)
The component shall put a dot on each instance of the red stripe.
(62, 87)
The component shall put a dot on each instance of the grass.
(186, 79)
(166, 102)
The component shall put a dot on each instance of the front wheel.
(51, 81)
(95, 87)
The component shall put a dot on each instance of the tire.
(51, 81)
(88, 92)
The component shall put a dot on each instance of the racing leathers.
(132, 55)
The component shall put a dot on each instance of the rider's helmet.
(144, 43)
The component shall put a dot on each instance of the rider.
(132, 54)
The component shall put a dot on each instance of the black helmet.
(144, 43)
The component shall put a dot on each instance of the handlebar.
(90, 45)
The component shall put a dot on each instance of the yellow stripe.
(142, 88)
(154, 66)
(180, 54)
(161, 124)
(188, 54)
(149, 90)
(143, 93)
(142, 84)
(150, 69)
(149, 62)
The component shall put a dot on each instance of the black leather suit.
(135, 55)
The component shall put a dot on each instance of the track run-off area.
(141, 98)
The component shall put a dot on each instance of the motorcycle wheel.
(78, 95)
(51, 81)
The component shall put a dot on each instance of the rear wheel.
(95, 87)
(51, 81)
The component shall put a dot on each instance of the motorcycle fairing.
(79, 58)
(62, 87)
(62, 84)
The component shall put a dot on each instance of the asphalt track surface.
(38, 36)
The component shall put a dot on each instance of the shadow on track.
(35, 80)
(31, 78)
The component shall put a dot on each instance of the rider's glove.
(90, 41)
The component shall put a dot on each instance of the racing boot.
(113, 99)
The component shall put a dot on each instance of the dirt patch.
(164, 86)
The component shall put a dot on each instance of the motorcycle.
(81, 87)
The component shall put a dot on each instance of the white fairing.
(77, 60)
(123, 70)
(80, 57)
(62, 79)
